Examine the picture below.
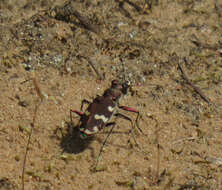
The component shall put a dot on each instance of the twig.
(196, 89)
(86, 23)
(66, 11)
(38, 90)
(184, 139)
(92, 65)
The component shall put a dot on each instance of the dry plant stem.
(158, 163)
(37, 88)
(196, 89)
(29, 140)
(184, 139)
(85, 22)
(101, 149)
(158, 150)
(158, 156)
(93, 67)
(91, 64)
(68, 10)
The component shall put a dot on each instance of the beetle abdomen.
(97, 115)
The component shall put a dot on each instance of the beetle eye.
(125, 87)
(126, 84)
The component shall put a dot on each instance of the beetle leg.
(126, 108)
(110, 124)
(130, 120)
(77, 112)
(113, 124)
(84, 102)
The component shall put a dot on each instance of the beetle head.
(117, 90)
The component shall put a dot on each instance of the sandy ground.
(137, 40)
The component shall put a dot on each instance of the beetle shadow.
(71, 141)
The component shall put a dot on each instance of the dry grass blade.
(38, 90)
(158, 151)
(196, 89)
(157, 179)
(100, 77)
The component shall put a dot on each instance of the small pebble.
(23, 103)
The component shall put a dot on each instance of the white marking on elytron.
(110, 108)
(87, 112)
(102, 117)
(95, 129)
(88, 132)
(82, 129)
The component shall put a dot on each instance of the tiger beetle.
(100, 111)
